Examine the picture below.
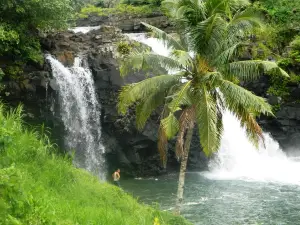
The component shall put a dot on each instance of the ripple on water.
(220, 202)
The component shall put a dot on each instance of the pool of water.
(220, 202)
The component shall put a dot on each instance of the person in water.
(116, 177)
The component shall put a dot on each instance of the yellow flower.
(156, 221)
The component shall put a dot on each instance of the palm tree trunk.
(183, 164)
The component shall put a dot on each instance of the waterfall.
(80, 113)
(84, 30)
(237, 158)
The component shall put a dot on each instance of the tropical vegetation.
(37, 186)
(21, 24)
(203, 79)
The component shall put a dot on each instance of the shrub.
(22, 21)
(123, 48)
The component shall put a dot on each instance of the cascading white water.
(84, 30)
(237, 157)
(80, 113)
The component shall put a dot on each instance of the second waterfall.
(80, 113)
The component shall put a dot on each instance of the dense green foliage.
(20, 24)
(282, 12)
(125, 7)
(39, 187)
(279, 42)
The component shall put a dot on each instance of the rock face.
(285, 126)
(133, 151)
(127, 23)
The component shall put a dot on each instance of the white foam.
(84, 30)
(239, 159)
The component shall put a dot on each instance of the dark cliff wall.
(285, 126)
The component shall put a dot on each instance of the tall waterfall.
(237, 158)
(80, 113)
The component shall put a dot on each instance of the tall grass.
(39, 187)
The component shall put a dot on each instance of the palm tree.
(204, 54)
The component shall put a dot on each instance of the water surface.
(219, 202)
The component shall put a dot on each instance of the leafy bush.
(284, 17)
(284, 12)
(39, 187)
(22, 21)
(123, 48)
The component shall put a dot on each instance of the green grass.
(39, 187)
(120, 9)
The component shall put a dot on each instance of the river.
(220, 202)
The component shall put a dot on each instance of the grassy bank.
(39, 187)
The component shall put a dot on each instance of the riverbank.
(37, 186)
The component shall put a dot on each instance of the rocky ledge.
(126, 22)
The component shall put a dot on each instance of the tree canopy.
(21, 22)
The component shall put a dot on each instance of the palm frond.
(244, 70)
(188, 12)
(247, 120)
(207, 35)
(147, 61)
(170, 125)
(236, 5)
(268, 66)
(207, 120)
(248, 18)
(236, 97)
(226, 55)
(183, 57)
(162, 145)
(180, 97)
(147, 106)
(186, 121)
(253, 130)
(167, 39)
(142, 90)
(252, 69)
(226, 7)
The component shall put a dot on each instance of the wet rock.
(274, 100)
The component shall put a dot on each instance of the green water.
(219, 202)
